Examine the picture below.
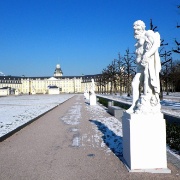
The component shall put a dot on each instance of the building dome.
(58, 71)
(57, 66)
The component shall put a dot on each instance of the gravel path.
(71, 142)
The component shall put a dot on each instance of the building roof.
(10, 77)
(48, 77)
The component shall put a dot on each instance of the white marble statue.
(148, 68)
(86, 93)
(92, 89)
(92, 95)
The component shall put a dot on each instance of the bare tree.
(129, 69)
(177, 49)
(104, 81)
(99, 83)
(174, 76)
(152, 27)
(166, 69)
(120, 73)
(112, 71)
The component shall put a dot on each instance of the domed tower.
(58, 71)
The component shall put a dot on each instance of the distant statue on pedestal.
(148, 68)
(92, 89)
(86, 93)
(92, 93)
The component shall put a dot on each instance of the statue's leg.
(135, 86)
(146, 81)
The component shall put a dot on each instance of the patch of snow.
(73, 115)
(108, 130)
(73, 130)
(76, 141)
(173, 152)
(18, 110)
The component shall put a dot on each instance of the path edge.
(4, 137)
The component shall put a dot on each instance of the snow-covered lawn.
(18, 110)
(169, 105)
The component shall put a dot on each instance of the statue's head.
(139, 28)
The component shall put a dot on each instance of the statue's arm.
(154, 38)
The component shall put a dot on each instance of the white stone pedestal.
(86, 95)
(92, 99)
(144, 143)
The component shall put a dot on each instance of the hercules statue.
(148, 68)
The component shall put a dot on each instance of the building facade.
(42, 85)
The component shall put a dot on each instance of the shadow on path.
(87, 103)
(113, 141)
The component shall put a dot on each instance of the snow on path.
(73, 118)
(108, 130)
(18, 110)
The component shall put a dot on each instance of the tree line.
(117, 76)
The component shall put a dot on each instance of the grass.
(104, 102)
(173, 136)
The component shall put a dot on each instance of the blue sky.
(83, 36)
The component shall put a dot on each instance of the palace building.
(45, 85)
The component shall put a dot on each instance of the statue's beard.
(138, 36)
